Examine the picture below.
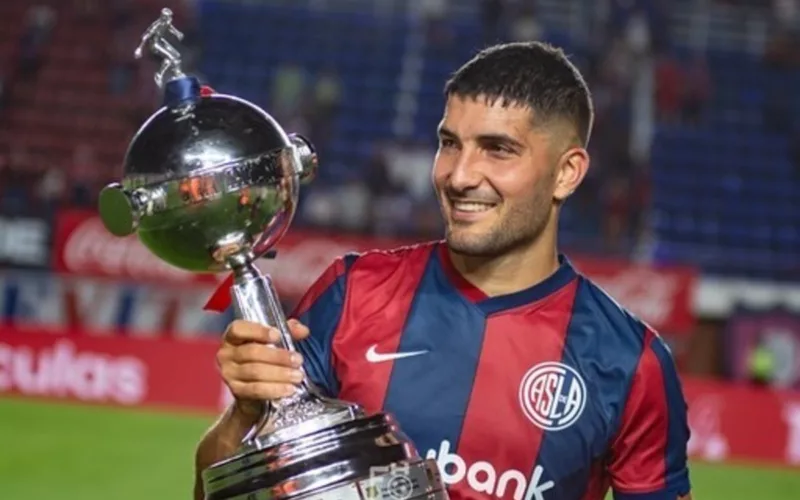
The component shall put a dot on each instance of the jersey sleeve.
(648, 456)
(320, 310)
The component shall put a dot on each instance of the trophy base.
(364, 458)
(300, 415)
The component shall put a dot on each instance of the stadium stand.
(720, 194)
(71, 76)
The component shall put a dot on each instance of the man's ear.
(570, 171)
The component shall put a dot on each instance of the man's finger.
(241, 331)
(260, 353)
(299, 330)
(259, 372)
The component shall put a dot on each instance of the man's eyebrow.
(501, 139)
(443, 131)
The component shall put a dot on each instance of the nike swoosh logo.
(373, 356)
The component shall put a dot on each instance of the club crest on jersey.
(552, 395)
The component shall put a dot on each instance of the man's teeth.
(472, 206)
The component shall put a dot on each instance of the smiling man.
(498, 358)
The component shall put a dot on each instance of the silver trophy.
(210, 185)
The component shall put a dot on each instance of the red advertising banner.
(728, 421)
(111, 370)
(742, 422)
(659, 295)
(83, 246)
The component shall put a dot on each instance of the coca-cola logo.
(63, 371)
(90, 248)
(648, 294)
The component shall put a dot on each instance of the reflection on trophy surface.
(210, 185)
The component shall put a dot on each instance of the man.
(519, 375)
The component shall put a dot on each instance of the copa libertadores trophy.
(210, 185)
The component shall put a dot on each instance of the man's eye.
(446, 143)
(499, 149)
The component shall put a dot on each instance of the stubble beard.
(520, 227)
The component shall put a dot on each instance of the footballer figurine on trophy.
(210, 185)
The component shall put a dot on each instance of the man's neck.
(509, 273)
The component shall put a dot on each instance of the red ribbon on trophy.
(220, 300)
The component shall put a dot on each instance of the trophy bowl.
(218, 180)
(210, 185)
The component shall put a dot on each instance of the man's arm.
(648, 455)
(221, 441)
(320, 310)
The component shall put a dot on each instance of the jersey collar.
(563, 276)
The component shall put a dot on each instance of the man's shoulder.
(389, 261)
(375, 278)
(623, 333)
(356, 276)
(625, 352)
(607, 309)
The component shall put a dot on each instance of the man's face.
(494, 175)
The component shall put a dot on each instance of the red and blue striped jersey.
(551, 393)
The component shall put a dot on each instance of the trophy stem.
(255, 299)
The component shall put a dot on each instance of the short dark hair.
(533, 74)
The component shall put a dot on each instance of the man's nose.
(466, 172)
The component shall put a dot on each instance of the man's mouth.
(472, 206)
(469, 211)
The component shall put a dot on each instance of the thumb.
(298, 330)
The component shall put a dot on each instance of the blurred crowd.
(626, 54)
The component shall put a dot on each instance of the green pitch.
(90, 453)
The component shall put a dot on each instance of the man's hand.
(255, 368)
